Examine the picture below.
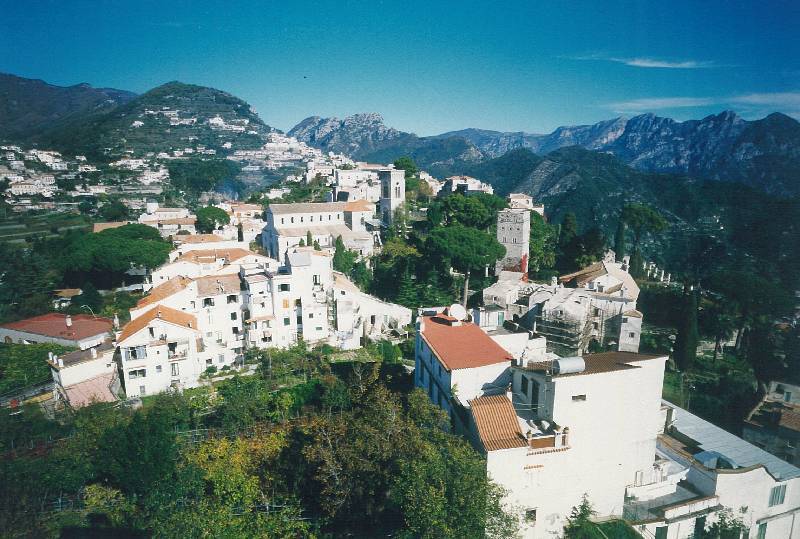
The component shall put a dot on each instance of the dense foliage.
(339, 454)
(198, 175)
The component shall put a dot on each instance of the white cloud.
(664, 64)
(773, 99)
(658, 103)
(646, 62)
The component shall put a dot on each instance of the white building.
(288, 224)
(86, 376)
(159, 350)
(594, 305)
(465, 185)
(702, 469)
(513, 233)
(80, 330)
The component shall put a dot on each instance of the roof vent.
(68, 321)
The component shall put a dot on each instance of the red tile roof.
(55, 325)
(463, 346)
(164, 290)
(179, 318)
(497, 423)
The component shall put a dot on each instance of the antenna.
(458, 312)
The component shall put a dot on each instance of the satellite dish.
(458, 312)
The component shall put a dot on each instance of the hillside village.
(248, 287)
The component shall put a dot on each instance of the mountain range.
(761, 153)
(102, 123)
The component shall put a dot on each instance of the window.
(175, 369)
(762, 531)
(142, 391)
(233, 316)
(284, 287)
(158, 368)
(208, 302)
(221, 358)
(233, 298)
(524, 386)
(138, 352)
(209, 362)
(152, 332)
(319, 328)
(287, 321)
(579, 397)
(235, 330)
(624, 319)
(317, 279)
(777, 495)
(137, 373)
(311, 315)
(787, 396)
(632, 335)
(530, 516)
(661, 532)
(286, 304)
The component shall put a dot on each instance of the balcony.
(546, 443)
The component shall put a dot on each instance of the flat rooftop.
(709, 438)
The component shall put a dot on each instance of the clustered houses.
(554, 429)
(206, 307)
(594, 306)
(465, 185)
(168, 221)
(774, 424)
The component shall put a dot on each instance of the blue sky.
(427, 66)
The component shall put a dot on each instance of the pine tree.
(685, 351)
(302, 243)
(309, 239)
(619, 241)
(432, 294)
(407, 291)
(90, 297)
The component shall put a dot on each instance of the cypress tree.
(407, 291)
(685, 351)
(619, 241)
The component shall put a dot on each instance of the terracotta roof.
(359, 205)
(230, 255)
(600, 363)
(214, 285)
(95, 389)
(164, 290)
(246, 207)
(69, 292)
(771, 414)
(633, 312)
(199, 238)
(99, 227)
(178, 221)
(306, 207)
(463, 346)
(585, 275)
(497, 423)
(54, 325)
(172, 316)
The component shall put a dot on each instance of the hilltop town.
(313, 344)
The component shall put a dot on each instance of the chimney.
(93, 352)
(158, 314)
(68, 321)
(50, 356)
(60, 361)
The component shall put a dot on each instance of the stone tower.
(513, 233)
(393, 192)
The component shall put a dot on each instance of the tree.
(543, 236)
(343, 258)
(89, 297)
(569, 229)
(685, 351)
(309, 239)
(239, 232)
(642, 219)
(407, 292)
(467, 249)
(408, 165)
(579, 522)
(210, 218)
(619, 240)
(114, 211)
(727, 526)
